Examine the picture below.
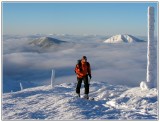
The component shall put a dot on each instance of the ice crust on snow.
(60, 103)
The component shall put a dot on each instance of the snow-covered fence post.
(21, 86)
(52, 78)
(151, 53)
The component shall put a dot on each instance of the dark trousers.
(86, 85)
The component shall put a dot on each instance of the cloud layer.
(114, 63)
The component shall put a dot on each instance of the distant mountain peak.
(122, 38)
(46, 42)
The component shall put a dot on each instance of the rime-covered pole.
(151, 50)
(151, 54)
(21, 86)
(52, 77)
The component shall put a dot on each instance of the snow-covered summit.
(46, 42)
(112, 102)
(122, 38)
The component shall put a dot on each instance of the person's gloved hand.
(90, 76)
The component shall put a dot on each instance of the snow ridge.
(122, 38)
(60, 103)
(46, 42)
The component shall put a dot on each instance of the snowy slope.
(46, 42)
(122, 38)
(111, 103)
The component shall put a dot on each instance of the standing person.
(83, 70)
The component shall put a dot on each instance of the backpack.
(79, 64)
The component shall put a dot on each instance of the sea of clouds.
(123, 63)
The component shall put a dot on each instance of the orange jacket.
(83, 70)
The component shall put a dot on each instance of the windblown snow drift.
(112, 102)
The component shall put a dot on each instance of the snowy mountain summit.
(112, 102)
(122, 38)
(46, 42)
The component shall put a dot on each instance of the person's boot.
(78, 94)
(86, 96)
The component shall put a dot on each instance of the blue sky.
(104, 18)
